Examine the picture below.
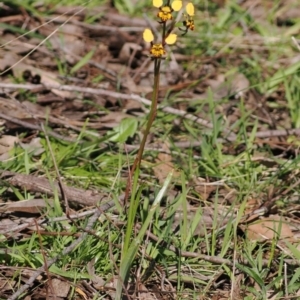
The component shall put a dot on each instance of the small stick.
(34, 127)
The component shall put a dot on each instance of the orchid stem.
(152, 114)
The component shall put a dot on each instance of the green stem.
(152, 115)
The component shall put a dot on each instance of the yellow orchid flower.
(165, 11)
(158, 50)
(189, 18)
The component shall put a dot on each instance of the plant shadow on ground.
(73, 106)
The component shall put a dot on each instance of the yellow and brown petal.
(171, 39)
(189, 24)
(165, 13)
(190, 9)
(157, 3)
(176, 5)
(157, 50)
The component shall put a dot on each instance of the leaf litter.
(111, 56)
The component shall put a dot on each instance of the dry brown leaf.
(126, 51)
(236, 83)
(111, 286)
(32, 206)
(34, 146)
(268, 229)
(12, 108)
(132, 105)
(98, 281)
(145, 294)
(239, 84)
(164, 165)
(6, 284)
(112, 119)
(60, 288)
(69, 39)
(203, 188)
(7, 142)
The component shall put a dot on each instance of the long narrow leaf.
(130, 255)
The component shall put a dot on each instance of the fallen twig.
(102, 92)
(35, 127)
(230, 136)
(209, 258)
(42, 185)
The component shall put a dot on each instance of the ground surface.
(76, 84)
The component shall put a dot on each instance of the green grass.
(120, 247)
